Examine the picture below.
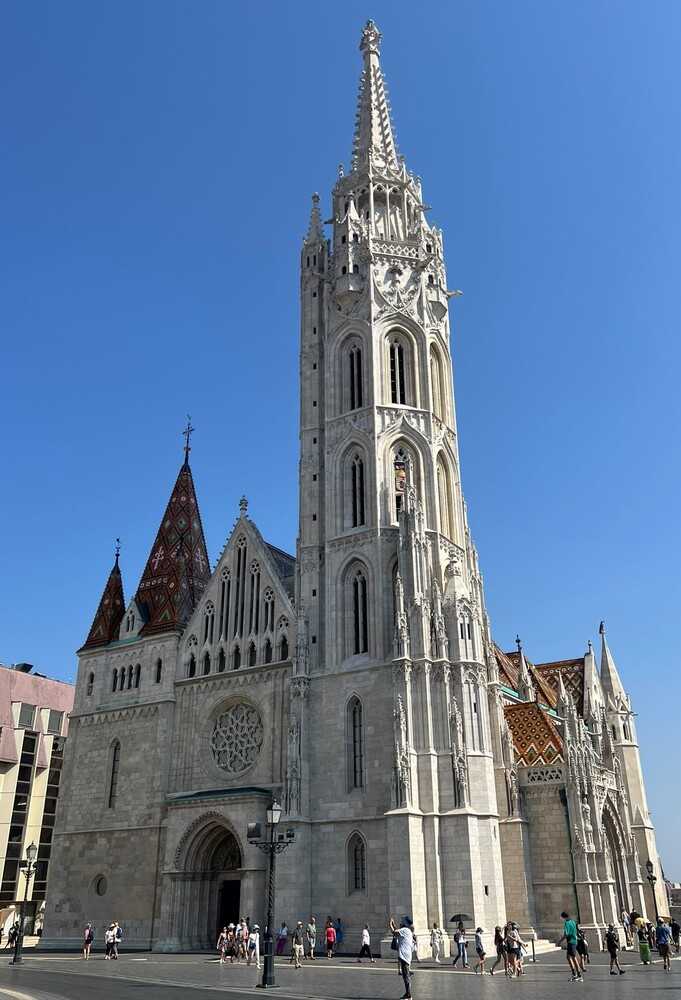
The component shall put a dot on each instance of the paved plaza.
(172, 977)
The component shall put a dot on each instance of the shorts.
(571, 950)
(480, 953)
(663, 950)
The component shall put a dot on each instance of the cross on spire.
(518, 642)
(186, 434)
(117, 550)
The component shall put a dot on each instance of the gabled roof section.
(177, 569)
(109, 614)
(572, 672)
(535, 738)
(509, 675)
(285, 566)
(374, 135)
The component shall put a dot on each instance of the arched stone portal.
(616, 861)
(208, 888)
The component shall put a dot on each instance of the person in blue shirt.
(663, 941)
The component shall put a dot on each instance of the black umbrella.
(460, 918)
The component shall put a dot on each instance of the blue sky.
(155, 181)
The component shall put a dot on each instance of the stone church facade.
(423, 769)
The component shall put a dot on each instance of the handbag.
(393, 943)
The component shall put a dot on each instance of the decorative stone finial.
(117, 549)
(601, 628)
(518, 643)
(186, 434)
(243, 506)
(371, 39)
(590, 648)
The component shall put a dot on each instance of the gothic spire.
(593, 692)
(315, 230)
(374, 138)
(526, 688)
(177, 569)
(107, 620)
(610, 678)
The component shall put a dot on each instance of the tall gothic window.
(355, 377)
(357, 864)
(129, 676)
(359, 610)
(268, 597)
(254, 600)
(268, 651)
(113, 774)
(222, 661)
(114, 681)
(283, 648)
(437, 384)
(252, 655)
(138, 673)
(90, 684)
(225, 594)
(191, 669)
(398, 384)
(355, 743)
(357, 489)
(404, 476)
(159, 671)
(236, 658)
(444, 498)
(209, 622)
(206, 662)
(239, 596)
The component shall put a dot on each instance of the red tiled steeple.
(177, 569)
(104, 628)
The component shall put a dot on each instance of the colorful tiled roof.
(508, 674)
(572, 672)
(535, 738)
(177, 569)
(107, 620)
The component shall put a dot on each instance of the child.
(612, 943)
(582, 949)
(480, 952)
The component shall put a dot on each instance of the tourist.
(223, 945)
(330, 935)
(118, 937)
(298, 940)
(365, 950)
(311, 934)
(514, 945)
(479, 951)
(436, 942)
(282, 938)
(626, 924)
(244, 934)
(676, 930)
(403, 940)
(254, 945)
(643, 943)
(500, 948)
(88, 938)
(582, 950)
(663, 940)
(461, 942)
(570, 938)
(109, 941)
(612, 944)
(340, 930)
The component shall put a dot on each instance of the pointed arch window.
(138, 674)
(357, 494)
(191, 669)
(268, 651)
(444, 498)
(283, 648)
(437, 385)
(113, 774)
(236, 658)
(355, 730)
(129, 676)
(159, 671)
(358, 599)
(240, 591)
(404, 477)
(355, 382)
(209, 622)
(268, 598)
(254, 599)
(398, 385)
(252, 655)
(357, 864)
(206, 663)
(222, 661)
(114, 681)
(90, 684)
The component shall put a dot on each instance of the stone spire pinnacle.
(593, 692)
(526, 688)
(107, 620)
(374, 137)
(610, 678)
(315, 230)
(177, 569)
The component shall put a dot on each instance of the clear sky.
(157, 165)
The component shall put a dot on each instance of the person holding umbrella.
(460, 938)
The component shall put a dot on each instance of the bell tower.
(387, 572)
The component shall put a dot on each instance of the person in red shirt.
(330, 938)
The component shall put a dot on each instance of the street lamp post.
(273, 845)
(29, 870)
(652, 879)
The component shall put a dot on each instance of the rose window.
(237, 738)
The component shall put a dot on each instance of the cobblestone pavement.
(174, 977)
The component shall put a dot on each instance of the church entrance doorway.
(228, 903)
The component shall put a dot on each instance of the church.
(422, 769)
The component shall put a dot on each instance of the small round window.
(100, 885)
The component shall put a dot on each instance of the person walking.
(330, 935)
(462, 946)
(626, 925)
(436, 942)
(118, 937)
(340, 934)
(612, 944)
(514, 945)
(223, 944)
(663, 941)
(109, 941)
(298, 942)
(500, 948)
(282, 938)
(570, 938)
(582, 949)
(479, 951)
(643, 943)
(254, 946)
(311, 934)
(676, 930)
(403, 938)
(365, 950)
(88, 938)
